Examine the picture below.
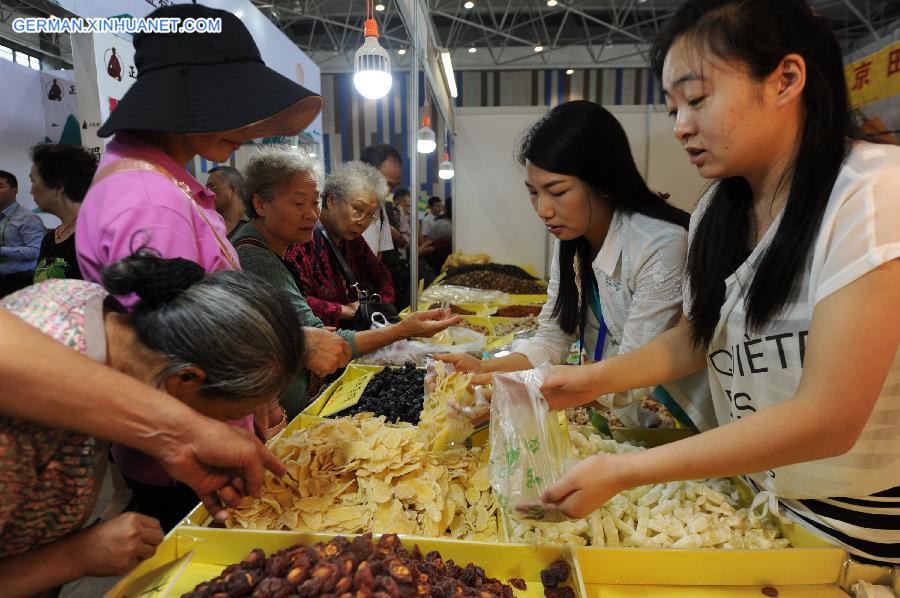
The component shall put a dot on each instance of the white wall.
(491, 211)
(27, 118)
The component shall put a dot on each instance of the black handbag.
(372, 309)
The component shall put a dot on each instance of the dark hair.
(11, 179)
(70, 167)
(378, 154)
(239, 329)
(759, 34)
(402, 192)
(448, 209)
(584, 140)
(433, 200)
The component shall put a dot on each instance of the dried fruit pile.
(475, 327)
(519, 325)
(359, 474)
(505, 269)
(496, 281)
(396, 393)
(351, 569)
(552, 579)
(518, 311)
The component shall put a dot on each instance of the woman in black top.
(60, 177)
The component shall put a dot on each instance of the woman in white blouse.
(586, 188)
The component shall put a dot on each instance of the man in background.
(380, 235)
(435, 211)
(227, 183)
(21, 233)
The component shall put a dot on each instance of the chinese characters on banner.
(874, 85)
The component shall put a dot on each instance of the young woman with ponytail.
(616, 277)
(792, 284)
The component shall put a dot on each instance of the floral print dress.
(48, 476)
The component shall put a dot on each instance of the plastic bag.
(453, 340)
(527, 445)
(449, 293)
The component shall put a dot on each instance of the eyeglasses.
(360, 217)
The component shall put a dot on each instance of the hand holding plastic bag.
(527, 446)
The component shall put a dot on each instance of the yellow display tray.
(352, 372)
(192, 555)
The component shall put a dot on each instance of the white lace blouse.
(639, 272)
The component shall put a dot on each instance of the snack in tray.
(396, 393)
(475, 327)
(518, 311)
(695, 514)
(552, 579)
(506, 269)
(496, 281)
(359, 474)
(441, 424)
(525, 324)
(344, 567)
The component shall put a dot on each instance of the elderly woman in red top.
(351, 200)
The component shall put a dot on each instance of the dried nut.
(347, 566)
(343, 584)
(770, 591)
(518, 583)
(388, 585)
(277, 566)
(297, 575)
(273, 587)
(423, 589)
(363, 577)
(310, 587)
(254, 559)
(400, 572)
(329, 575)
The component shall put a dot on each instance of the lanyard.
(594, 300)
(6, 222)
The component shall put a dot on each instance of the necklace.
(62, 231)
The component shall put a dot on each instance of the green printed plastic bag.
(527, 447)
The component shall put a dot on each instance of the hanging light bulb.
(426, 141)
(373, 64)
(445, 170)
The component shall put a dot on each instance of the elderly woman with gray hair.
(221, 343)
(338, 263)
(282, 188)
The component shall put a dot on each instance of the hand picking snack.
(359, 474)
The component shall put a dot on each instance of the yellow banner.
(875, 77)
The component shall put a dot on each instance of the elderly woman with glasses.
(351, 201)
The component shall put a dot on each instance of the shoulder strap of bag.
(251, 242)
(345, 267)
(136, 164)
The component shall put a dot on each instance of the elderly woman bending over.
(282, 187)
